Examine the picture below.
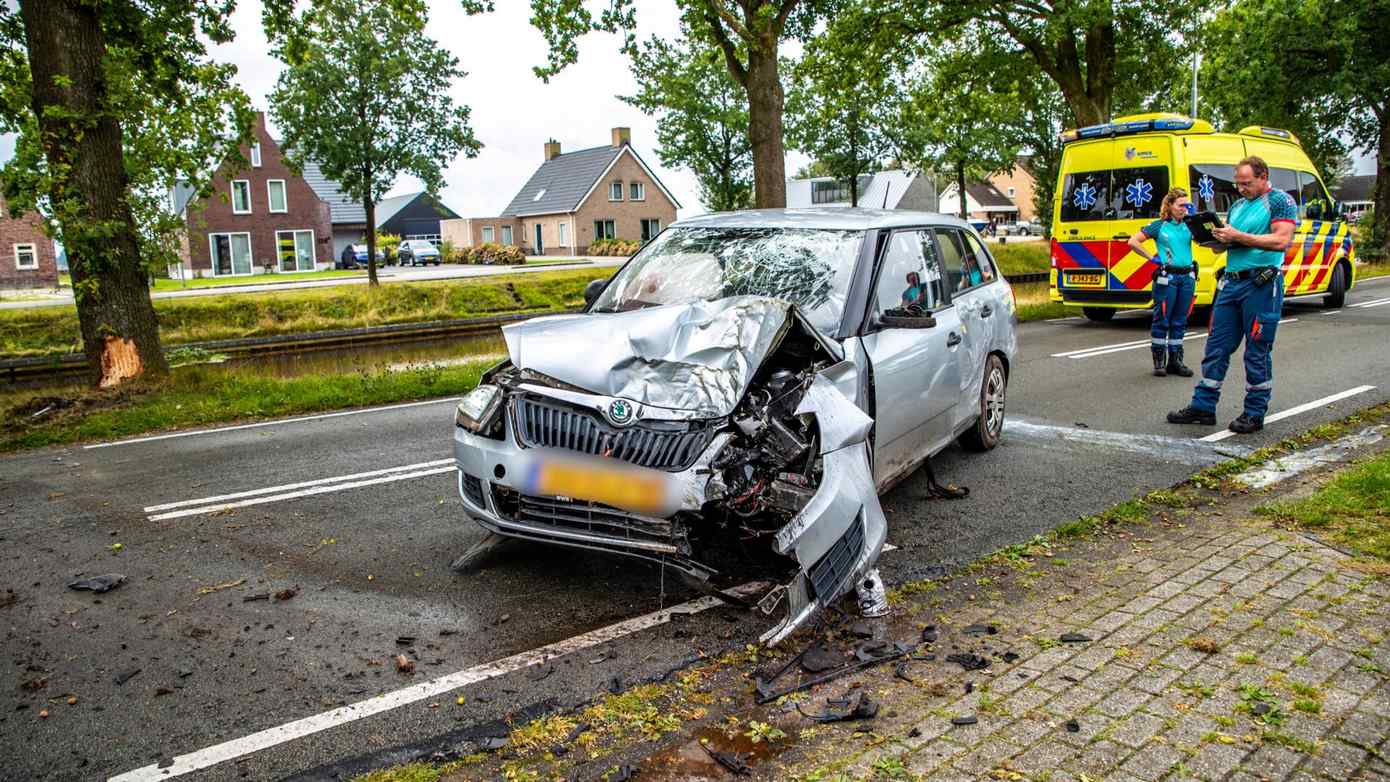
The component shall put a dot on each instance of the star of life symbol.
(1139, 193)
(1206, 188)
(1084, 197)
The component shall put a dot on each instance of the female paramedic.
(1173, 281)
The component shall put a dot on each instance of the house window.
(256, 154)
(231, 253)
(507, 235)
(829, 192)
(241, 196)
(603, 229)
(26, 256)
(637, 192)
(1012, 192)
(564, 235)
(615, 191)
(487, 234)
(296, 250)
(650, 228)
(275, 194)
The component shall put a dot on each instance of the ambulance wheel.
(1098, 314)
(989, 427)
(1336, 288)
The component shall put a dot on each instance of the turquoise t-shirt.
(1257, 216)
(1173, 241)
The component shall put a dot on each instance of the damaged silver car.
(736, 397)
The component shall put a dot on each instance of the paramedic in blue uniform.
(1249, 298)
(1173, 281)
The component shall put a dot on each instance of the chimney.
(622, 137)
(552, 149)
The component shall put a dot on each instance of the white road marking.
(1102, 350)
(1278, 469)
(1178, 449)
(309, 492)
(1303, 408)
(291, 486)
(1371, 303)
(277, 422)
(1063, 320)
(271, 737)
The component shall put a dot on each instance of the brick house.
(574, 199)
(27, 259)
(1018, 185)
(264, 218)
(983, 201)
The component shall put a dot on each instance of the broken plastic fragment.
(98, 584)
(1074, 638)
(969, 719)
(1073, 726)
(968, 661)
(976, 631)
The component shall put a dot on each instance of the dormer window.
(256, 154)
(615, 191)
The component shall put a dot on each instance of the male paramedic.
(1249, 298)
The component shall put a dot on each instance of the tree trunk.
(765, 100)
(370, 208)
(1380, 227)
(67, 49)
(960, 189)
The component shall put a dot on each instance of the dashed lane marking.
(292, 486)
(278, 422)
(290, 731)
(1303, 408)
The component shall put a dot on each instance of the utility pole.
(1196, 64)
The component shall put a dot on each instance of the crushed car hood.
(698, 357)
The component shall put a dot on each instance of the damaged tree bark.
(88, 188)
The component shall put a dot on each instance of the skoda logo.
(620, 412)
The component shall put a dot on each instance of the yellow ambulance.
(1112, 182)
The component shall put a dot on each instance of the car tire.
(1336, 288)
(1098, 314)
(988, 428)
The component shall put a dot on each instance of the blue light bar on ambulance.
(1126, 128)
(1276, 132)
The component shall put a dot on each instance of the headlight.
(478, 410)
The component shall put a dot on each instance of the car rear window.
(1114, 194)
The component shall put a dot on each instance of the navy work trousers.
(1242, 311)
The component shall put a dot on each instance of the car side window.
(1313, 202)
(910, 281)
(982, 259)
(961, 273)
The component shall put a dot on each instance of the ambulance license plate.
(1086, 279)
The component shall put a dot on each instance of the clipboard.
(1201, 225)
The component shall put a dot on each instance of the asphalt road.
(365, 523)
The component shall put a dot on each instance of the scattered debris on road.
(404, 664)
(1074, 638)
(287, 593)
(208, 590)
(98, 584)
(126, 675)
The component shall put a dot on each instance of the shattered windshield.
(807, 267)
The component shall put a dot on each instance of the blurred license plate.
(1091, 279)
(622, 488)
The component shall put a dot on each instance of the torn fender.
(838, 536)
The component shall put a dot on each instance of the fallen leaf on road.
(404, 664)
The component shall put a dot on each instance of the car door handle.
(953, 340)
(987, 311)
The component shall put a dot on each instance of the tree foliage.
(702, 117)
(366, 94)
(746, 33)
(114, 101)
(845, 102)
(1326, 84)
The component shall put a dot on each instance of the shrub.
(448, 252)
(498, 254)
(388, 243)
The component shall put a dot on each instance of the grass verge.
(46, 331)
(1352, 509)
(1033, 303)
(1022, 258)
(203, 396)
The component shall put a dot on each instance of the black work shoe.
(1160, 362)
(1175, 365)
(1246, 425)
(1191, 415)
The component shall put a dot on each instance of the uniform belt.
(1169, 269)
(1245, 274)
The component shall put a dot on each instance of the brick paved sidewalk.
(1292, 684)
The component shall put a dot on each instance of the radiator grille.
(581, 516)
(667, 446)
(831, 570)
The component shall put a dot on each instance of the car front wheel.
(989, 426)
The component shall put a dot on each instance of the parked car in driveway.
(418, 252)
(1022, 228)
(748, 382)
(355, 256)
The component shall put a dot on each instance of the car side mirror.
(593, 290)
(906, 321)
